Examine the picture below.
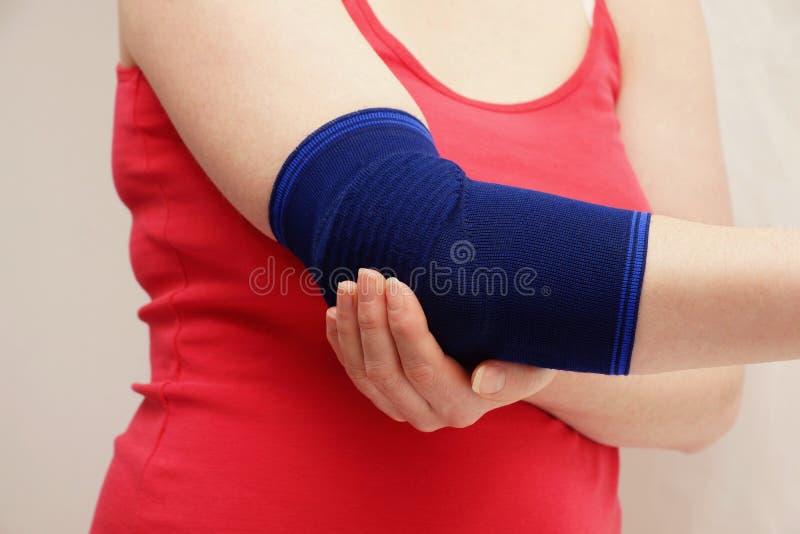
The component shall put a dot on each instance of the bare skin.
(233, 83)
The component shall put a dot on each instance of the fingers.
(348, 334)
(380, 335)
(381, 361)
(344, 335)
(438, 378)
(507, 381)
(433, 374)
(331, 332)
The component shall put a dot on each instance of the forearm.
(704, 295)
(716, 295)
(684, 411)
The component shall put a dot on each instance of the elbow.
(722, 413)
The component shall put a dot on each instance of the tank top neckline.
(405, 56)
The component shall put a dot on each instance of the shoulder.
(189, 23)
(648, 28)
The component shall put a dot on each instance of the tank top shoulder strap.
(607, 41)
(601, 57)
(383, 42)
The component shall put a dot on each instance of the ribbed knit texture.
(501, 272)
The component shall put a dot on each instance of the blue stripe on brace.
(623, 294)
(322, 137)
(632, 306)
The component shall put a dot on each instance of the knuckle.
(382, 375)
(426, 426)
(451, 413)
(421, 373)
(402, 325)
(346, 327)
(368, 319)
(356, 374)
(457, 415)
(462, 420)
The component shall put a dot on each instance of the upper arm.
(245, 82)
(668, 116)
(667, 108)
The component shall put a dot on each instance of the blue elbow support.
(501, 272)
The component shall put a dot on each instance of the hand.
(379, 333)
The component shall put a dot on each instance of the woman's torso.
(249, 423)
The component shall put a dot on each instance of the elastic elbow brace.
(501, 272)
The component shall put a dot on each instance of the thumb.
(510, 382)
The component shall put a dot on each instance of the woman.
(248, 423)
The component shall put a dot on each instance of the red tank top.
(249, 424)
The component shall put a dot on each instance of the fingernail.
(344, 295)
(394, 294)
(330, 321)
(367, 284)
(489, 379)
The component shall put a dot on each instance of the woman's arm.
(245, 82)
(666, 107)
(716, 296)
(233, 83)
(744, 283)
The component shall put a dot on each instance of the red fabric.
(249, 423)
